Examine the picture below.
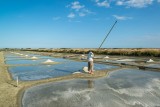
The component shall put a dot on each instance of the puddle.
(123, 88)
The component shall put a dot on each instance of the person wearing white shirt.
(90, 62)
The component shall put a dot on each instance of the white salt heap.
(48, 61)
(106, 57)
(150, 60)
(34, 57)
(85, 69)
(83, 57)
(76, 72)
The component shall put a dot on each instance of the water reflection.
(90, 84)
(45, 71)
(124, 88)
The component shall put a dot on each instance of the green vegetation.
(111, 51)
(155, 52)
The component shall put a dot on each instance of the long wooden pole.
(108, 34)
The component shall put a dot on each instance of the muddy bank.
(8, 91)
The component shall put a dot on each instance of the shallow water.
(30, 61)
(154, 65)
(49, 71)
(11, 56)
(123, 88)
(37, 72)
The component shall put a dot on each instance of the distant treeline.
(115, 51)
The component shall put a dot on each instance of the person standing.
(90, 62)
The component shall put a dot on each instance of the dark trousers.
(90, 66)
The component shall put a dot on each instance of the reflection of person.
(90, 62)
(90, 83)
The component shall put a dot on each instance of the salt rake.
(85, 68)
(107, 34)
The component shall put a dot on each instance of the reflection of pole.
(17, 81)
(90, 84)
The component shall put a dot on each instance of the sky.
(79, 23)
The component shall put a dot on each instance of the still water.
(123, 88)
(43, 71)
(49, 71)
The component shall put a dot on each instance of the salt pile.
(48, 61)
(76, 72)
(106, 57)
(83, 57)
(34, 57)
(150, 60)
(85, 69)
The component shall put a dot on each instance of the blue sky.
(79, 23)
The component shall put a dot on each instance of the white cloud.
(135, 3)
(158, 1)
(78, 9)
(82, 14)
(139, 3)
(103, 3)
(122, 17)
(71, 15)
(77, 21)
(56, 18)
(120, 3)
(76, 5)
(87, 11)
